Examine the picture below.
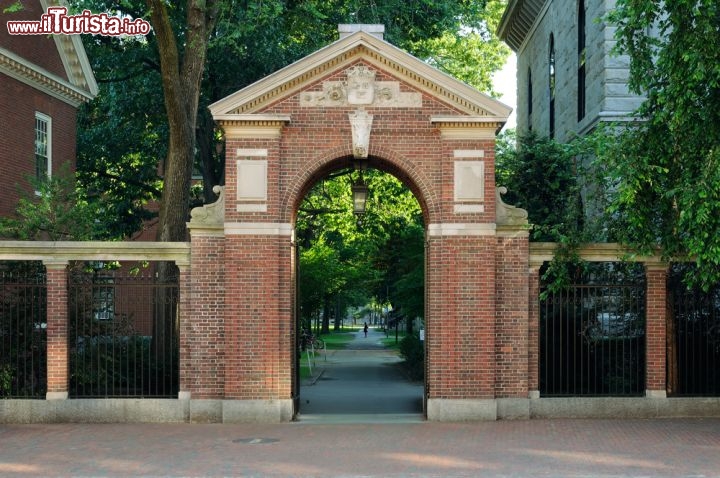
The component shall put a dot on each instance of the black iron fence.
(23, 338)
(123, 331)
(592, 334)
(693, 357)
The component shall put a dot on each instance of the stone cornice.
(599, 252)
(30, 74)
(73, 56)
(467, 127)
(57, 252)
(519, 21)
(238, 126)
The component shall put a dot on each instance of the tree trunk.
(181, 77)
(326, 316)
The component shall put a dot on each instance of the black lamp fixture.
(360, 195)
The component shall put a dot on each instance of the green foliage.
(14, 8)
(541, 176)
(470, 53)
(412, 350)
(347, 261)
(123, 133)
(665, 169)
(544, 177)
(6, 380)
(56, 210)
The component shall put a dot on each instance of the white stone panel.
(252, 180)
(469, 181)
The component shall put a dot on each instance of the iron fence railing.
(23, 338)
(694, 355)
(123, 331)
(592, 333)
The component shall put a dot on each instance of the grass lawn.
(389, 341)
(336, 340)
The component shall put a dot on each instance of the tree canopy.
(346, 260)
(664, 170)
(125, 147)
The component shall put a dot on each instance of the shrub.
(412, 349)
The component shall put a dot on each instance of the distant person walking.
(365, 329)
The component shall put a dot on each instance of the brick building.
(43, 80)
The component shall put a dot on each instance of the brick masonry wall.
(534, 328)
(511, 328)
(57, 328)
(258, 328)
(461, 317)
(40, 50)
(461, 320)
(202, 329)
(18, 105)
(656, 310)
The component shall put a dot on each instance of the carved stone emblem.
(360, 85)
(361, 89)
(506, 214)
(361, 124)
(210, 214)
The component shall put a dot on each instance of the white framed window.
(43, 146)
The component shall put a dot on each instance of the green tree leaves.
(57, 210)
(346, 261)
(666, 168)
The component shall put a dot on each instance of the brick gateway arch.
(358, 99)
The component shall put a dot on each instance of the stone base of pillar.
(459, 410)
(655, 393)
(257, 411)
(56, 396)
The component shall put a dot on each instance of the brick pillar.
(460, 326)
(655, 335)
(57, 330)
(202, 319)
(184, 318)
(534, 331)
(511, 328)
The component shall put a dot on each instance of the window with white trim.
(43, 146)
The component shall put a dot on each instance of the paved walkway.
(524, 448)
(325, 443)
(362, 383)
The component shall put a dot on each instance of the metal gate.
(592, 333)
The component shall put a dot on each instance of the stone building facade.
(568, 79)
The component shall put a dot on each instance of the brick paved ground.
(573, 448)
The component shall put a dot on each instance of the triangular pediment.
(74, 83)
(374, 53)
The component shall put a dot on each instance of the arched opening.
(354, 269)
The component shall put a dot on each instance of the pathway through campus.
(363, 383)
